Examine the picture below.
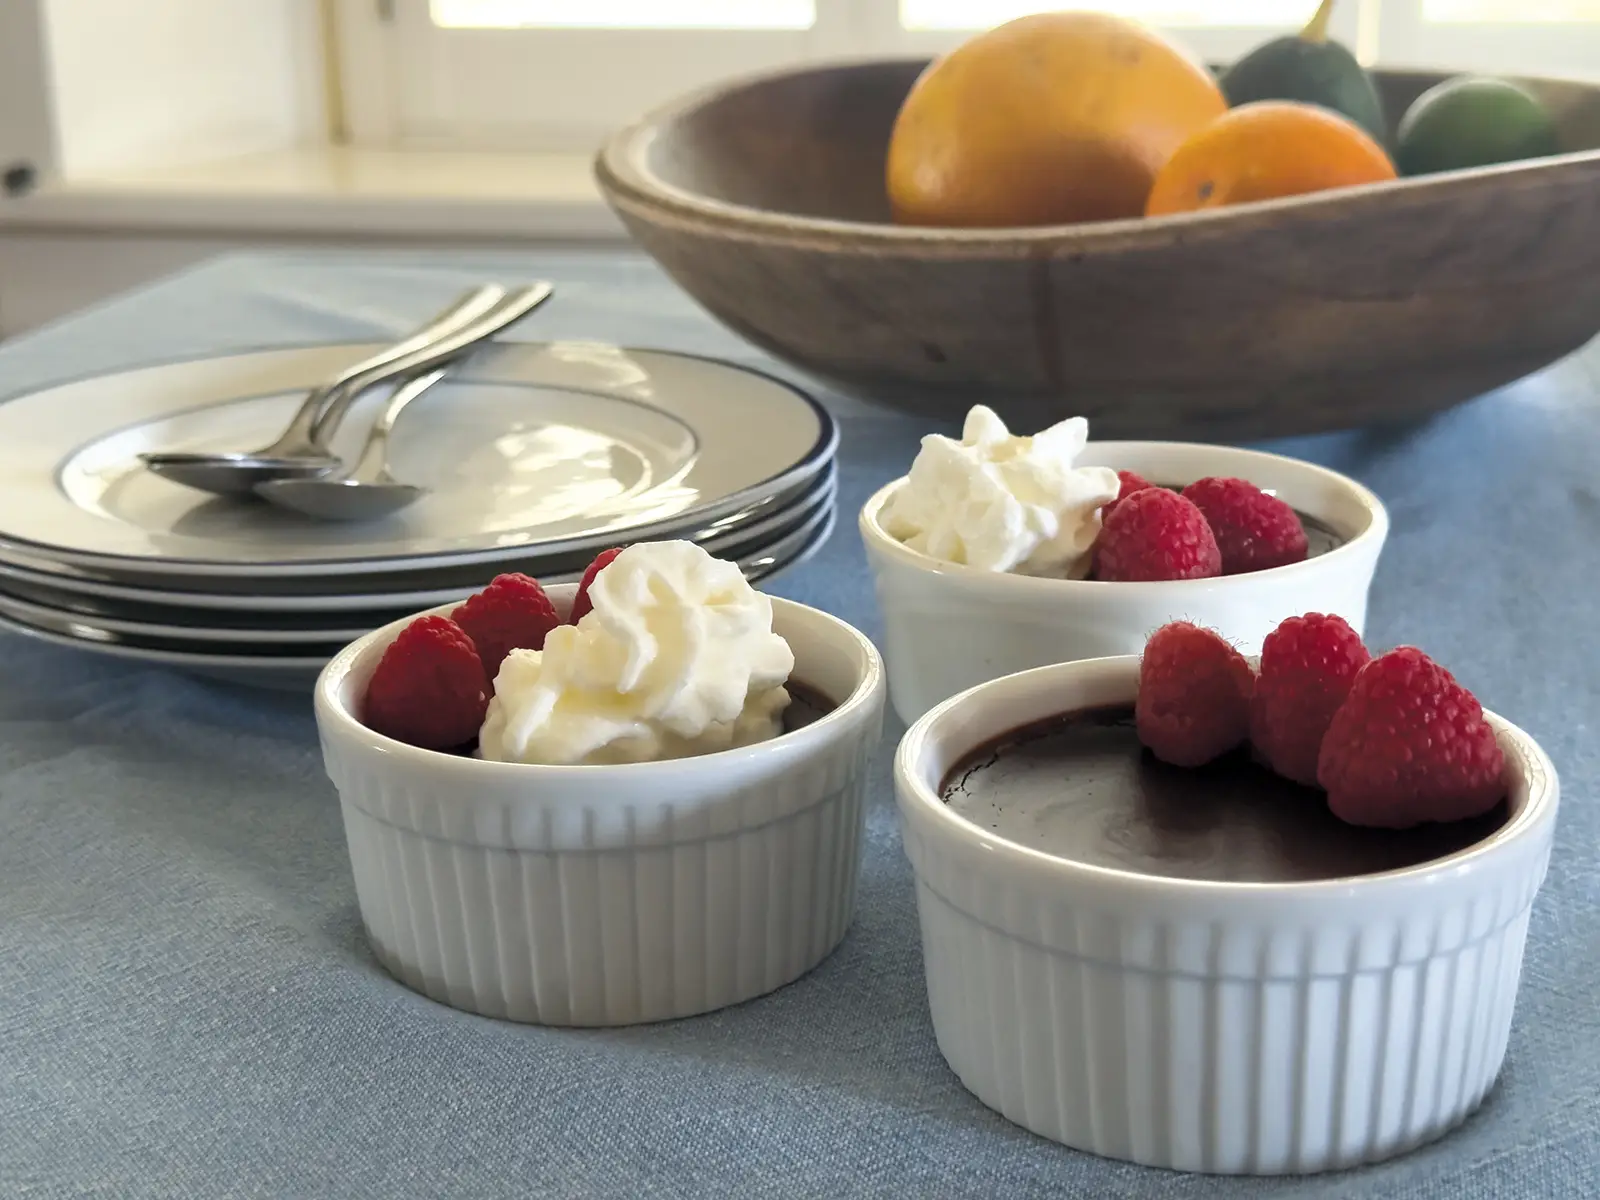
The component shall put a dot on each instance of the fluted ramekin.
(948, 627)
(1202, 1026)
(610, 895)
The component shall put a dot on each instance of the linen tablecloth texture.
(188, 1006)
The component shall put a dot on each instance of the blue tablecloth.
(188, 1006)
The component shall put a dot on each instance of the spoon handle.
(445, 350)
(373, 465)
(469, 306)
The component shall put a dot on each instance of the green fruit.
(1473, 121)
(1311, 69)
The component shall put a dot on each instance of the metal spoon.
(446, 350)
(367, 490)
(299, 452)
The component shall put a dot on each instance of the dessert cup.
(948, 627)
(1248, 1028)
(609, 895)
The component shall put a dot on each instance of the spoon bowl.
(341, 499)
(237, 474)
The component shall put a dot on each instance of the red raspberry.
(580, 602)
(1131, 483)
(1254, 530)
(1194, 695)
(429, 688)
(512, 613)
(1409, 745)
(1156, 534)
(1307, 666)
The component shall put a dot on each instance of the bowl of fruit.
(1288, 244)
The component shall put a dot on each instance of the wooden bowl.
(765, 200)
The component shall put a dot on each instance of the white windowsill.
(334, 192)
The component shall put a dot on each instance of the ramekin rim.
(1377, 530)
(1538, 812)
(337, 718)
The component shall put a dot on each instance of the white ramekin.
(948, 627)
(1203, 1026)
(610, 895)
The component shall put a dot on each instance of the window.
(966, 14)
(623, 14)
(557, 73)
(1528, 36)
(561, 73)
(1217, 30)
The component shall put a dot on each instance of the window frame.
(407, 83)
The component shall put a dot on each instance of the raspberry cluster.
(1215, 526)
(432, 686)
(1394, 740)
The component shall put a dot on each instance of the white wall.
(145, 82)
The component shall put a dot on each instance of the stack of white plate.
(535, 457)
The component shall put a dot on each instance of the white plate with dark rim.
(290, 669)
(549, 448)
(99, 618)
(339, 592)
(406, 594)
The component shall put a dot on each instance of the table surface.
(188, 1006)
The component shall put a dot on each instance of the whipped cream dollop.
(1003, 503)
(677, 658)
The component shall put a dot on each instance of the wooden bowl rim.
(621, 168)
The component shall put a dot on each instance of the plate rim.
(806, 494)
(288, 665)
(801, 516)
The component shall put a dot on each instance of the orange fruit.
(1263, 150)
(1048, 119)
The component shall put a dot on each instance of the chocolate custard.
(1319, 538)
(807, 706)
(1081, 787)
